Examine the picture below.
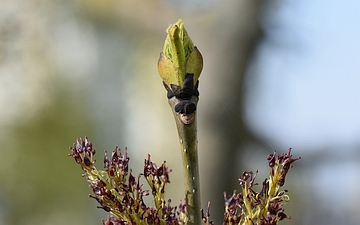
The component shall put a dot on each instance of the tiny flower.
(206, 216)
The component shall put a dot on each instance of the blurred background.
(277, 74)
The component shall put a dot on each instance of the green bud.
(179, 56)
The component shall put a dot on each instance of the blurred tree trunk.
(226, 135)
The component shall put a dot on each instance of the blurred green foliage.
(41, 180)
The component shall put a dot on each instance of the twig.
(189, 151)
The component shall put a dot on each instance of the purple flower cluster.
(120, 193)
(264, 207)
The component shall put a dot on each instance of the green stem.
(188, 145)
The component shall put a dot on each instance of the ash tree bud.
(179, 66)
(179, 57)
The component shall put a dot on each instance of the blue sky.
(307, 74)
(304, 92)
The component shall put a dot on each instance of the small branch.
(189, 151)
(179, 66)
